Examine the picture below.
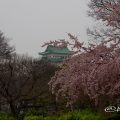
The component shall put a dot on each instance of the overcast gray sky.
(30, 23)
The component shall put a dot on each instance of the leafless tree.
(5, 51)
(5, 48)
(22, 81)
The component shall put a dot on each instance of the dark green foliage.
(4, 116)
(34, 118)
(114, 117)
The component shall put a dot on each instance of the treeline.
(23, 81)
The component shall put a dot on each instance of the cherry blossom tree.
(96, 70)
(93, 72)
(107, 11)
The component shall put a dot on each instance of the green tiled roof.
(55, 50)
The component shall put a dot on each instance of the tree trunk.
(13, 109)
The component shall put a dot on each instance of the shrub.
(5, 117)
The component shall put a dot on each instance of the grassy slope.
(82, 115)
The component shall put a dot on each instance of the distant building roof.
(55, 54)
(55, 50)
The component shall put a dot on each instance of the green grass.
(76, 115)
(81, 115)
